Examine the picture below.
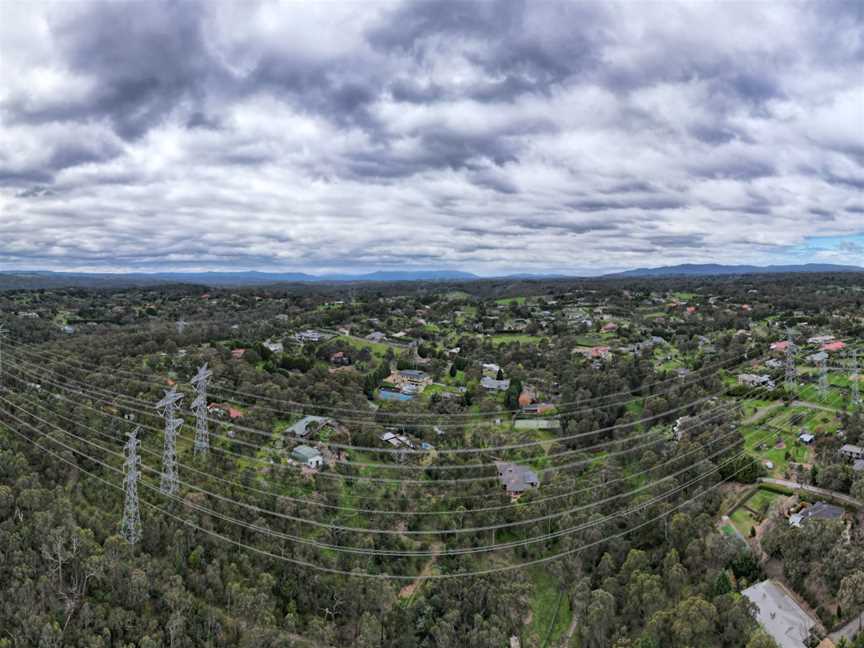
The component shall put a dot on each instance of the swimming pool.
(387, 394)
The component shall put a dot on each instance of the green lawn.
(760, 502)
(834, 398)
(545, 602)
(683, 296)
(378, 349)
(510, 338)
(506, 301)
(797, 452)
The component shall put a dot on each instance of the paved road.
(816, 406)
(846, 499)
(849, 630)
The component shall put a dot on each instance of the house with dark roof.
(818, 511)
(516, 479)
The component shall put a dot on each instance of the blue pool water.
(386, 394)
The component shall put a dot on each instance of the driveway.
(842, 497)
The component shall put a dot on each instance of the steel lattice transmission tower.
(168, 406)
(181, 326)
(2, 335)
(856, 381)
(791, 375)
(199, 405)
(823, 376)
(130, 526)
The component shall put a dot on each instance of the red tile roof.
(834, 346)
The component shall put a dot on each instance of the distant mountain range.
(48, 279)
(714, 269)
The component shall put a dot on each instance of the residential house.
(223, 409)
(831, 347)
(516, 479)
(538, 408)
(274, 347)
(526, 397)
(309, 457)
(780, 346)
(308, 424)
(594, 353)
(806, 438)
(490, 369)
(308, 335)
(340, 359)
(852, 452)
(237, 354)
(756, 380)
(410, 381)
(820, 339)
(818, 511)
(609, 327)
(376, 336)
(492, 384)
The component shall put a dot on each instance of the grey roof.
(851, 449)
(516, 478)
(491, 383)
(780, 615)
(305, 453)
(858, 466)
(301, 427)
(414, 373)
(818, 511)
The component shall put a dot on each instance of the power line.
(458, 551)
(149, 379)
(474, 450)
(791, 378)
(533, 501)
(429, 483)
(823, 377)
(384, 576)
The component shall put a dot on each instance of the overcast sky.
(483, 136)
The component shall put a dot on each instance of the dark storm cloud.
(473, 134)
(144, 58)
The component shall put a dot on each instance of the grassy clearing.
(547, 606)
(834, 398)
(378, 349)
(761, 502)
(780, 455)
(506, 301)
(498, 340)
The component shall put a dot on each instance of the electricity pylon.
(2, 335)
(199, 405)
(791, 376)
(169, 483)
(856, 381)
(181, 326)
(823, 376)
(130, 526)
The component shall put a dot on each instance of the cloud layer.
(487, 136)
